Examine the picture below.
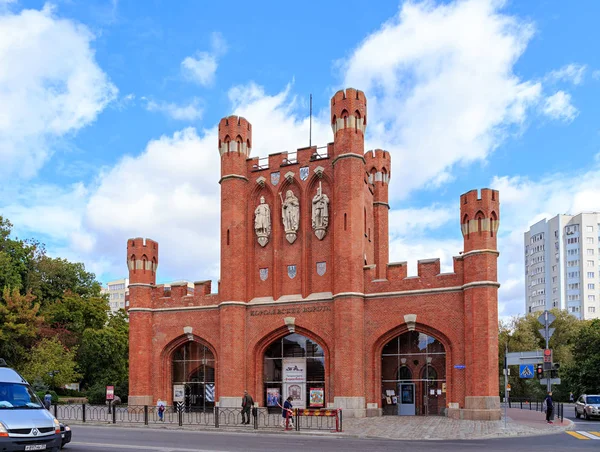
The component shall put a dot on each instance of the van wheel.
(576, 413)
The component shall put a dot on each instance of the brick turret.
(142, 262)
(348, 119)
(479, 216)
(378, 166)
(235, 143)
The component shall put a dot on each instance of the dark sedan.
(65, 433)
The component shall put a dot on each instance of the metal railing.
(536, 405)
(217, 417)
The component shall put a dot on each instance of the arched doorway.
(294, 365)
(413, 375)
(194, 369)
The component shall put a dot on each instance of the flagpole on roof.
(310, 124)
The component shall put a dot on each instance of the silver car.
(25, 425)
(587, 406)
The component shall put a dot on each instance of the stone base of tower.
(351, 406)
(230, 402)
(478, 408)
(140, 400)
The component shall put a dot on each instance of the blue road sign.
(526, 371)
(459, 366)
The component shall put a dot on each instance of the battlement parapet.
(378, 166)
(349, 110)
(428, 276)
(181, 295)
(284, 162)
(480, 212)
(235, 135)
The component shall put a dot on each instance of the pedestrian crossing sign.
(526, 371)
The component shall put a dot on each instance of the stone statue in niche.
(290, 213)
(320, 213)
(262, 222)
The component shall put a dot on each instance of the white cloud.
(441, 86)
(573, 73)
(189, 112)
(596, 75)
(51, 86)
(202, 67)
(558, 106)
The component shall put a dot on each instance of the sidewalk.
(519, 423)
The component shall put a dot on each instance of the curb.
(318, 433)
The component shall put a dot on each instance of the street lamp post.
(53, 373)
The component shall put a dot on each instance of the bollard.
(216, 411)
(180, 415)
(145, 414)
(297, 413)
(83, 411)
(56, 411)
(114, 415)
(255, 417)
(521, 404)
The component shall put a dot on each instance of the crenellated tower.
(479, 216)
(142, 262)
(348, 121)
(235, 144)
(378, 166)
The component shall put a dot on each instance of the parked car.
(65, 433)
(587, 406)
(25, 424)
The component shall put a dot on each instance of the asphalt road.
(117, 439)
(581, 424)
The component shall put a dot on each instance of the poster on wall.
(294, 381)
(317, 397)
(178, 393)
(273, 397)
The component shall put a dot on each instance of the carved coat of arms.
(264, 274)
(304, 173)
(275, 178)
(321, 268)
(292, 271)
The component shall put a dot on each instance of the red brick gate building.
(308, 304)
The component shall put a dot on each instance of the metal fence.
(217, 417)
(537, 405)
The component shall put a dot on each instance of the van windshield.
(17, 396)
(593, 400)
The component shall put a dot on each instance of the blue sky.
(108, 113)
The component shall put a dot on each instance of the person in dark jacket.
(549, 407)
(286, 412)
(247, 403)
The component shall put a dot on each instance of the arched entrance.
(194, 369)
(413, 375)
(294, 365)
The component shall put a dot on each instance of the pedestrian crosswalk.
(585, 435)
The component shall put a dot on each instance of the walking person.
(549, 407)
(287, 413)
(160, 409)
(247, 403)
(571, 398)
(48, 400)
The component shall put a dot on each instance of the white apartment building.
(562, 265)
(117, 294)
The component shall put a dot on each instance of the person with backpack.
(549, 407)
(160, 409)
(287, 413)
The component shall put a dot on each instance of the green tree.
(19, 324)
(51, 278)
(104, 353)
(70, 316)
(581, 376)
(53, 363)
(15, 258)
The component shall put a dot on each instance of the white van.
(24, 422)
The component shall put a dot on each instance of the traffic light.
(539, 371)
(554, 370)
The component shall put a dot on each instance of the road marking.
(577, 435)
(106, 446)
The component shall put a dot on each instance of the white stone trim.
(476, 284)
(484, 251)
(233, 176)
(140, 285)
(348, 294)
